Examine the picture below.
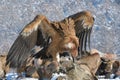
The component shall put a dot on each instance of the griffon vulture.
(55, 38)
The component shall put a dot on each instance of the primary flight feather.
(83, 21)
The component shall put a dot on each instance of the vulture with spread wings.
(83, 26)
(53, 37)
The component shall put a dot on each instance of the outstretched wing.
(83, 25)
(36, 32)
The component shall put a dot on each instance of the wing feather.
(35, 33)
(83, 21)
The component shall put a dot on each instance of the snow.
(56, 75)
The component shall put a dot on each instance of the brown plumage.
(3, 69)
(105, 68)
(83, 26)
(54, 37)
(68, 41)
(29, 68)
